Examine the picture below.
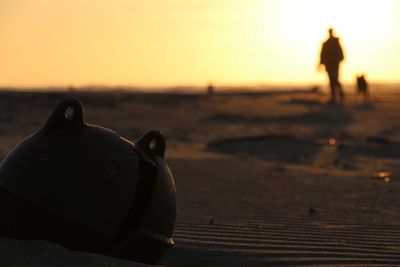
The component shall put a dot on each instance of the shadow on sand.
(303, 102)
(325, 116)
(268, 147)
(372, 147)
(282, 147)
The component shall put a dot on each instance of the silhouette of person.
(331, 56)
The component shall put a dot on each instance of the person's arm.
(322, 60)
(341, 54)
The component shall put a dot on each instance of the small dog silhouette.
(362, 87)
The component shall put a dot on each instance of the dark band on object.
(129, 230)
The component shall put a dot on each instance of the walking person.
(331, 57)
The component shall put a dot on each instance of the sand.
(39, 253)
(279, 179)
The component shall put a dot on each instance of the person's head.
(330, 31)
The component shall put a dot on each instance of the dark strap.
(143, 196)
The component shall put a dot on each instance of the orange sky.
(175, 42)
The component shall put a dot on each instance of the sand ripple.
(284, 243)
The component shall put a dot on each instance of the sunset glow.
(177, 42)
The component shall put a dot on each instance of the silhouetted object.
(315, 90)
(362, 87)
(331, 56)
(210, 89)
(88, 189)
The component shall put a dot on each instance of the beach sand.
(278, 179)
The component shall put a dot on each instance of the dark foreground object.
(88, 189)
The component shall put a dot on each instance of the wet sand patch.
(271, 147)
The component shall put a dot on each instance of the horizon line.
(255, 85)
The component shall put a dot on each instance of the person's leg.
(340, 89)
(332, 85)
(338, 84)
(341, 93)
(334, 81)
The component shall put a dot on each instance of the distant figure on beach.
(210, 89)
(331, 56)
(362, 87)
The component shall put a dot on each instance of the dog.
(362, 87)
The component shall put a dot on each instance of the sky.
(182, 42)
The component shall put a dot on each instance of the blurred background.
(164, 43)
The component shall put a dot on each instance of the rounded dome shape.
(86, 188)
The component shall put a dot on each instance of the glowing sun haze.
(175, 42)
